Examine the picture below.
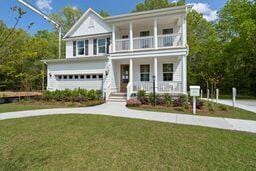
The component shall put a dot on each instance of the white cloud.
(204, 8)
(44, 5)
(74, 7)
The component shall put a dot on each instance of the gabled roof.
(81, 19)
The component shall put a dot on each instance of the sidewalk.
(119, 110)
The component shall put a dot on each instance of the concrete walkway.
(119, 110)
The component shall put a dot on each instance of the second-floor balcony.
(149, 34)
(140, 43)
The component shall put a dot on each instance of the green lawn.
(230, 113)
(89, 142)
(32, 105)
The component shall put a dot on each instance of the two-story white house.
(121, 54)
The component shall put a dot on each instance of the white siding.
(75, 68)
(69, 49)
(99, 26)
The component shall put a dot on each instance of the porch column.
(131, 71)
(155, 34)
(114, 38)
(131, 35)
(156, 73)
(184, 74)
(184, 30)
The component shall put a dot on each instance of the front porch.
(134, 74)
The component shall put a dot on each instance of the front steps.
(117, 97)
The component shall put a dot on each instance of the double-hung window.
(144, 72)
(80, 48)
(102, 45)
(168, 72)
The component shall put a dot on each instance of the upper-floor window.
(144, 33)
(102, 45)
(168, 72)
(168, 31)
(82, 47)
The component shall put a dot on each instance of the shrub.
(210, 107)
(179, 102)
(168, 99)
(199, 104)
(98, 94)
(133, 103)
(223, 107)
(151, 99)
(160, 100)
(91, 94)
(141, 96)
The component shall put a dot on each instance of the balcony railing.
(139, 43)
(169, 40)
(162, 87)
(122, 45)
(143, 42)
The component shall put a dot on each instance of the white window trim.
(98, 46)
(145, 73)
(77, 54)
(167, 72)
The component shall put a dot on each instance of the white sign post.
(201, 94)
(195, 92)
(234, 93)
(217, 95)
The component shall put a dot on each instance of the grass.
(33, 105)
(229, 112)
(90, 142)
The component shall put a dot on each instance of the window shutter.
(108, 44)
(74, 48)
(95, 46)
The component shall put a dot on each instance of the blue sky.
(113, 7)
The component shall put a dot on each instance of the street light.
(46, 17)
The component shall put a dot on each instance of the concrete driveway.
(249, 105)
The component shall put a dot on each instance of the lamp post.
(154, 89)
(46, 17)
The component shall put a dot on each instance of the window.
(82, 77)
(76, 77)
(88, 76)
(80, 47)
(144, 72)
(74, 48)
(94, 76)
(65, 77)
(86, 47)
(102, 46)
(108, 44)
(167, 72)
(144, 33)
(59, 77)
(168, 31)
(95, 46)
(70, 76)
(100, 76)
(125, 37)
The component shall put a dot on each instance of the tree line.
(222, 53)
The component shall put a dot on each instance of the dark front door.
(124, 78)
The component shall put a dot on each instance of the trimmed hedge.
(67, 95)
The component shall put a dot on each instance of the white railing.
(162, 87)
(122, 45)
(169, 40)
(143, 42)
(129, 90)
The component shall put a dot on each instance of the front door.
(124, 77)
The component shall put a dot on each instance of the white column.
(184, 74)
(131, 71)
(131, 35)
(184, 30)
(114, 38)
(155, 73)
(155, 34)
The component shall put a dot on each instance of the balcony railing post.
(131, 35)
(114, 38)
